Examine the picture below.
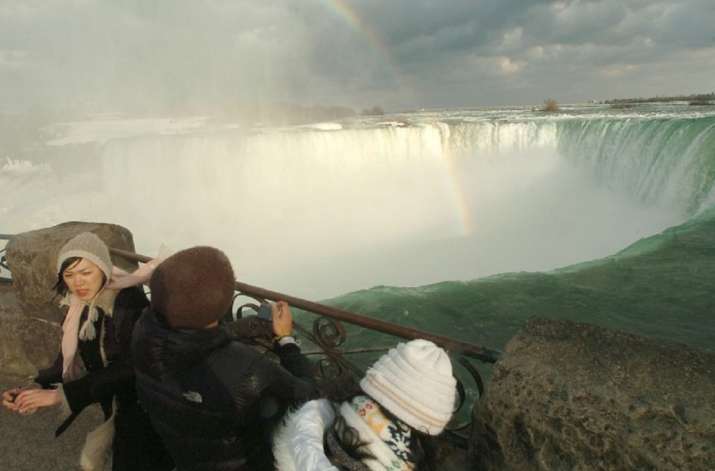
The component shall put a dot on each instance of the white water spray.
(318, 213)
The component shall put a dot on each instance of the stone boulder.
(26, 343)
(30, 318)
(570, 396)
(32, 258)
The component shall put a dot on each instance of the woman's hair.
(61, 287)
(424, 449)
(422, 446)
(348, 437)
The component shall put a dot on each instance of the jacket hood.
(170, 350)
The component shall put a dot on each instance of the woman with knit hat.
(407, 396)
(93, 367)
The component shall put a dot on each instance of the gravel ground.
(28, 443)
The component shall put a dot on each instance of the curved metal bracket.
(479, 382)
(475, 374)
(4, 266)
(329, 333)
(239, 311)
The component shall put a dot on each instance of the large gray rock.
(570, 396)
(26, 343)
(32, 258)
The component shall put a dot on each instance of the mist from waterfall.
(318, 211)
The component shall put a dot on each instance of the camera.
(265, 311)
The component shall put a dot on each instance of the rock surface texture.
(28, 441)
(29, 338)
(17, 335)
(569, 396)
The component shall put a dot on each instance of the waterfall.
(333, 208)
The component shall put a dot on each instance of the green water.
(661, 286)
(665, 159)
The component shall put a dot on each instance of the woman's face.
(83, 279)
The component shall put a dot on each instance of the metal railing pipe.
(386, 327)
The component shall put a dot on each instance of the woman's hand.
(282, 319)
(29, 401)
(8, 398)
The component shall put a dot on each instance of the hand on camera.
(282, 319)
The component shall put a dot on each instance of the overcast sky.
(401, 54)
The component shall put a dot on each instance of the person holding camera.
(212, 399)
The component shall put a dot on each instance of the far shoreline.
(698, 98)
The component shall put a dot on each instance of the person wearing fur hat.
(94, 367)
(407, 396)
(212, 398)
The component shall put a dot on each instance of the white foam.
(104, 130)
(324, 126)
(17, 167)
(397, 124)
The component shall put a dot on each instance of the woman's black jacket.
(135, 446)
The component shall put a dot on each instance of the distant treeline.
(701, 97)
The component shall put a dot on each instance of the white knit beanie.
(87, 245)
(414, 382)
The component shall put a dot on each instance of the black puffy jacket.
(211, 397)
(136, 446)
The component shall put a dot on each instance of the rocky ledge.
(572, 396)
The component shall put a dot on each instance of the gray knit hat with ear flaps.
(193, 288)
(90, 247)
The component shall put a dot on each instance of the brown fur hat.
(193, 287)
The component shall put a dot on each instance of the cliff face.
(571, 396)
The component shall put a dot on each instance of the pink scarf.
(71, 330)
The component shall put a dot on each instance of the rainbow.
(350, 16)
(460, 201)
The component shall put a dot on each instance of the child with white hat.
(409, 394)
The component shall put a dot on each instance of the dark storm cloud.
(526, 50)
(174, 55)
